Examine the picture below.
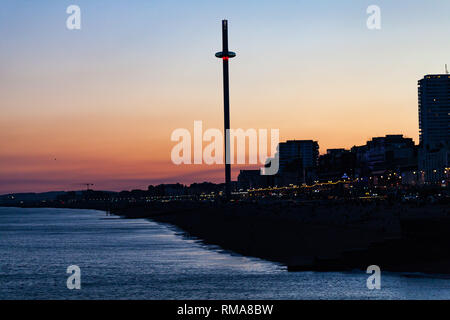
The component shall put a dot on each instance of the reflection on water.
(140, 259)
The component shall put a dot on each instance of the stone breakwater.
(317, 236)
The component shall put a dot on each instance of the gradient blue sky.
(104, 100)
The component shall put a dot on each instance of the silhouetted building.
(361, 167)
(336, 164)
(434, 110)
(434, 124)
(392, 152)
(175, 189)
(307, 151)
(250, 179)
(298, 161)
(434, 164)
(205, 188)
(385, 154)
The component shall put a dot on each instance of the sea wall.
(316, 237)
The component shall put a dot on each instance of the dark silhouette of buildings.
(306, 151)
(175, 189)
(434, 124)
(434, 110)
(249, 179)
(389, 153)
(300, 163)
(336, 164)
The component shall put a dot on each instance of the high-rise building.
(304, 151)
(434, 110)
(434, 124)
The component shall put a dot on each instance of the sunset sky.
(99, 104)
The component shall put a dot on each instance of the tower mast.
(225, 55)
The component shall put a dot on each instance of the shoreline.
(338, 237)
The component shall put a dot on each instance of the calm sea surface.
(141, 259)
